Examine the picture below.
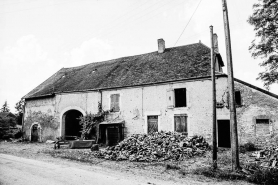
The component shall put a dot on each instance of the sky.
(39, 37)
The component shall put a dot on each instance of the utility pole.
(233, 120)
(214, 142)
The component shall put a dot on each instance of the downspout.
(22, 121)
(98, 132)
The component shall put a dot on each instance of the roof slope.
(174, 64)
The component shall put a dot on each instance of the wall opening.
(223, 132)
(35, 132)
(72, 128)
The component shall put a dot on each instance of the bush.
(247, 147)
(265, 176)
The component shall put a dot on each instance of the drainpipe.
(101, 108)
(22, 121)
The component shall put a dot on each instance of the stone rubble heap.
(158, 146)
(268, 157)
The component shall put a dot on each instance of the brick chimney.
(161, 45)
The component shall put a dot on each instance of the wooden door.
(112, 135)
(223, 132)
(152, 124)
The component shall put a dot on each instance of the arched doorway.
(71, 124)
(35, 132)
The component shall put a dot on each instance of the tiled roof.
(176, 63)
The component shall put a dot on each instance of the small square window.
(180, 97)
(115, 102)
(180, 122)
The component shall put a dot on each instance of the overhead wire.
(19, 2)
(20, 10)
(137, 18)
(188, 22)
(123, 22)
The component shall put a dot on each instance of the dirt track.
(138, 173)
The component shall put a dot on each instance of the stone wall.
(257, 105)
(42, 113)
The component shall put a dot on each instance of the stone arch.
(69, 123)
(35, 133)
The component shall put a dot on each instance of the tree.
(265, 45)
(19, 106)
(5, 107)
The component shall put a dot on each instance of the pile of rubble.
(268, 157)
(158, 146)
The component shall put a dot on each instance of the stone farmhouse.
(165, 90)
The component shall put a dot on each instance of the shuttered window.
(180, 122)
(115, 102)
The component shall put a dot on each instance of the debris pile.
(158, 146)
(267, 157)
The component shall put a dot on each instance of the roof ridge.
(111, 60)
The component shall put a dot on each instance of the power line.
(188, 22)
(20, 10)
(143, 20)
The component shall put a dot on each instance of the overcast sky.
(39, 37)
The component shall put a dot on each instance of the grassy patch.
(219, 174)
(172, 167)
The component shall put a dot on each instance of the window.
(180, 97)
(262, 121)
(115, 102)
(237, 98)
(180, 122)
(238, 101)
(262, 127)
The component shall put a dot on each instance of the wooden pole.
(214, 142)
(233, 120)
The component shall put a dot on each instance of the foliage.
(265, 22)
(90, 122)
(45, 119)
(19, 106)
(7, 120)
(5, 107)
(263, 175)
(247, 147)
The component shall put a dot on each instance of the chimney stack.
(161, 45)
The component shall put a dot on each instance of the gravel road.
(16, 170)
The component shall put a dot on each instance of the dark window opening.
(180, 97)
(115, 102)
(262, 121)
(237, 98)
(180, 123)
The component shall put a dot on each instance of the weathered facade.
(168, 90)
